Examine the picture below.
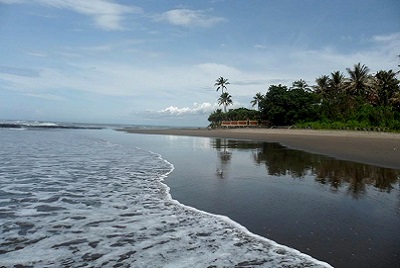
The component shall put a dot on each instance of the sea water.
(68, 199)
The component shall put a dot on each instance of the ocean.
(81, 196)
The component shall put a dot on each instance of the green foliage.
(216, 118)
(282, 106)
(360, 101)
(371, 118)
(243, 114)
(273, 106)
(386, 87)
(257, 99)
(221, 83)
(233, 115)
(225, 99)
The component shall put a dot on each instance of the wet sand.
(374, 148)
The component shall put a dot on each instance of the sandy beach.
(375, 148)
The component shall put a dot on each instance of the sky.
(155, 62)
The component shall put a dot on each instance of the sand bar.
(375, 148)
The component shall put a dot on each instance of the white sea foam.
(70, 201)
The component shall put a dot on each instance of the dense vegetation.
(234, 114)
(359, 101)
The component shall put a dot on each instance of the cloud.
(12, 1)
(250, 82)
(216, 68)
(202, 108)
(36, 54)
(388, 46)
(45, 96)
(394, 37)
(260, 46)
(380, 56)
(106, 14)
(189, 18)
(197, 109)
(15, 71)
(123, 45)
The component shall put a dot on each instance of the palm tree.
(221, 83)
(330, 86)
(257, 99)
(359, 82)
(333, 98)
(322, 86)
(386, 86)
(301, 84)
(395, 101)
(338, 98)
(225, 100)
(336, 82)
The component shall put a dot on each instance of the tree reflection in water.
(337, 174)
(224, 155)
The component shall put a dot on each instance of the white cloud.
(202, 108)
(106, 14)
(394, 37)
(37, 54)
(187, 17)
(197, 109)
(173, 110)
(125, 45)
(260, 46)
(388, 48)
(50, 97)
(328, 59)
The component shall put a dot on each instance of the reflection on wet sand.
(337, 174)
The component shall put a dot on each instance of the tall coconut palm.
(395, 101)
(337, 81)
(225, 99)
(257, 99)
(301, 84)
(322, 86)
(359, 82)
(221, 83)
(339, 102)
(386, 86)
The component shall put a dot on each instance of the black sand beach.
(375, 148)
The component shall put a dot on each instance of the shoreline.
(374, 148)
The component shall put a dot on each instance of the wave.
(45, 125)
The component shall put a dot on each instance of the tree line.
(360, 100)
